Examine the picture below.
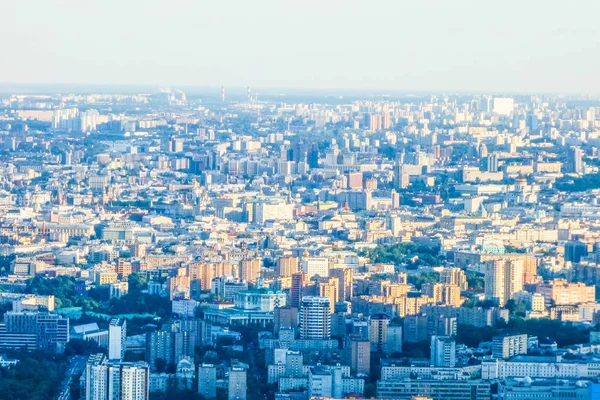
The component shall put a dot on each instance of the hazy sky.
(443, 45)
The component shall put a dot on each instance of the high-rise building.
(433, 290)
(117, 334)
(509, 345)
(451, 295)
(378, 332)
(237, 382)
(159, 344)
(106, 379)
(443, 351)
(454, 276)
(330, 289)
(373, 122)
(207, 380)
(574, 162)
(492, 162)
(415, 328)
(354, 180)
(285, 318)
(294, 363)
(345, 278)
(503, 277)
(394, 338)
(503, 105)
(299, 279)
(359, 356)
(286, 266)
(250, 269)
(313, 266)
(315, 318)
(574, 250)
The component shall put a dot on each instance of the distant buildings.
(34, 330)
(443, 351)
(117, 333)
(315, 318)
(237, 378)
(509, 345)
(503, 278)
(104, 379)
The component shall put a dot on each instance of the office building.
(32, 330)
(574, 250)
(299, 279)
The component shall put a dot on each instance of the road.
(76, 366)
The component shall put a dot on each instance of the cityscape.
(363, 238)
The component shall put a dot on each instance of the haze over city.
(467, 46)
(299, 200)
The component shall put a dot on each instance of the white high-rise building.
(207, 381)
(117, 334)
(503, 105)
(443, 351)
(237, 383)
(107, 380)
(315, 266)
(315, 318)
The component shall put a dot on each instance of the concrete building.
(443, 351)
(106, 379)
(560, 292)
(345, 278)
(117, 334)
(415, 328)
(207, 380)
(286, 266)
(359, 356)
(378, 332)
(312, 266)
(503, 278)
(236, 386)
(315, 318)
(509, 345)
(394, 338)
(435, 389)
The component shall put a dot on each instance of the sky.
(507, 46)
